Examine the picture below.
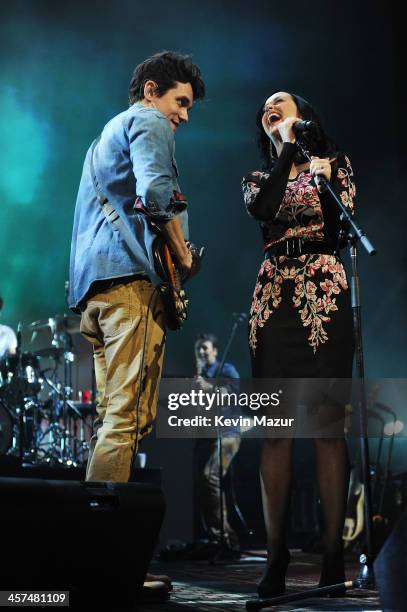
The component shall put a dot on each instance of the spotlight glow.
(393, 428)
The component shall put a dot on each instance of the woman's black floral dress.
(300, 318)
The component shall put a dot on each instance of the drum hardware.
(6, 428)
(23, 427)
(57, 444)
(54, 353)
(79, 412)
(61, 328)
(21, 377)
(51, 447)
(52, 430)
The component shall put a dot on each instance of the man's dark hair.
(317, 142)
(165, 69)
(201, 338)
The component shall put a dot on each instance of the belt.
(295, 247)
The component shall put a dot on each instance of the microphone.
(304, 126)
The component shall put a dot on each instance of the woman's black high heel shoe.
(333, 572)
(273, 582)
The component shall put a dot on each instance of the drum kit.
(39, 421)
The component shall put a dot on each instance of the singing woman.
(300, 319)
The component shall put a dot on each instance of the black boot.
(273, 582)
(333, 571)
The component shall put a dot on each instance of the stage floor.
(226, 587)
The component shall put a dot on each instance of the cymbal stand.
(60, 445)
(63, 339)
(54, 431)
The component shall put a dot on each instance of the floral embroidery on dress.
(252, 187)
(348, 188)
(299, 216)
(300, 211)
(314, 303)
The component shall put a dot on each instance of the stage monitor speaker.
(390, 569)
(95, 540)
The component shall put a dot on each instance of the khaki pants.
(115, 323)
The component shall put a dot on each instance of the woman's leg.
(276, 478)
(333, 476)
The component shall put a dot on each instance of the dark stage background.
(65, 68)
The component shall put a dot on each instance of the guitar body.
(172, 294)
(167, 268)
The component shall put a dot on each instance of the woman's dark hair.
(165, 69)
(315, 141)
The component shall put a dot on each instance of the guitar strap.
(140, 254)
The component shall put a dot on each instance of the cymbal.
(58, 324)
(52, 352)
(36, 325)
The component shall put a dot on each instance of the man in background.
(206, 452)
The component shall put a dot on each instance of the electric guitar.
(172, 293)
(166, 266)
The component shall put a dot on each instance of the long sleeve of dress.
(263, 196)
(343, 184)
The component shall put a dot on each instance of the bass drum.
(6, 429)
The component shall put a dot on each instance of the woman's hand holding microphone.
(285, 129)
(320, 167)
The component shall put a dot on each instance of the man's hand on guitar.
(203, 384)
(186, 264)
(196, 257)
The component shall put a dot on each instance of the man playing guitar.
(122, 311)
(131, 166)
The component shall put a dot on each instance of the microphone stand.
(366, 579)
(239, 318)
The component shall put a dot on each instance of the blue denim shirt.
(229, 373)
(133, 159)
